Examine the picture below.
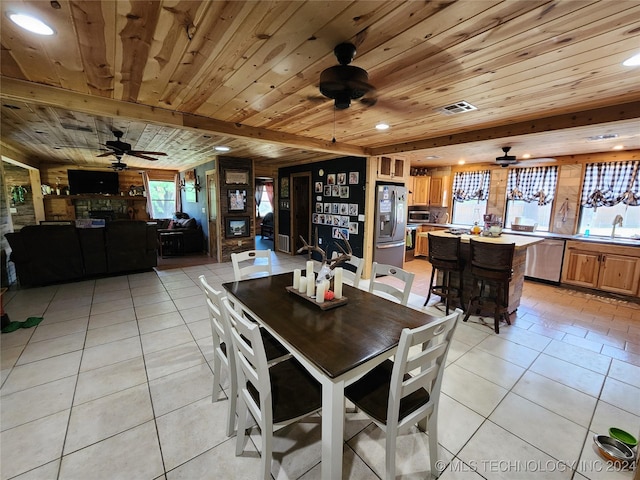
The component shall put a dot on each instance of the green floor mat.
(28, 323)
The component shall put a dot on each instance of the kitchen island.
(519, 262)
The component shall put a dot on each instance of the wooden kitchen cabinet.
(421, 190)
(603, 267)
(422, 240)
(439, 192)
(391, 167)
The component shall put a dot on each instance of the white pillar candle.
(320, 292)
(309, 268)
(302, 284)
(337, 282)
(311, 285)
(296, 278)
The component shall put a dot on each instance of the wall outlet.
(239, 243)
(319, 241)
(203, 210)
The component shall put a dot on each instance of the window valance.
(607, 184)
(533, 184)
(471, 185)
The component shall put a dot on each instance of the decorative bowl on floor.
(614, 450)
(625, 437)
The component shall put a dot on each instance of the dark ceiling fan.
(343, 83)
(507, 160)
(119, 148)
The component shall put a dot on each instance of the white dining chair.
(275, 395)
(352, 270)
(250, 263)
(397, 283)
(405, 391)
(221, 333)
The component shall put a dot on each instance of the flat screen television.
(93, 181)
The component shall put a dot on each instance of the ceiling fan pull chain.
(333, 140)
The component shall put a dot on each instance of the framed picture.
(237, 200)
(237, 227)
(236, 177)
(319, 187)
(354, 178)
(284, 187)
(342, 179)
(331, 179)
(327, 190)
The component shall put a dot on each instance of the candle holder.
(326, 305)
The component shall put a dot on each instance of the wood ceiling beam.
(22, 91)
(614, 113)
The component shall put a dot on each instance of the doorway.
(264, 214)
(301, 209)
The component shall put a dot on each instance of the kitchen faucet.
(617, 221)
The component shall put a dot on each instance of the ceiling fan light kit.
(506, 159)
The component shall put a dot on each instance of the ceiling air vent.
(606, 136)
(458, 107)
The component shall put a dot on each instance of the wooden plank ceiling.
(183, 76)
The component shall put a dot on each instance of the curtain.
(471, 185)
(259, 190)
(176, 180)
(145, 182)
(534, 184)
(607, 184)
(269, 188)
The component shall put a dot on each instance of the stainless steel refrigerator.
(391, 222)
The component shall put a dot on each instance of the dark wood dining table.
(335, 345)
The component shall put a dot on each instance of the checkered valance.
(607, 184)
(533, 184)
(471, 185)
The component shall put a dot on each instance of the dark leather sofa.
(47, 254)
(192, 236)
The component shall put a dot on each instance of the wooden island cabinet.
(519, 263)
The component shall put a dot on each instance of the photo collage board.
(332, 205)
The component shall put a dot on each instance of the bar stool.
(444, 255)
(491, 265)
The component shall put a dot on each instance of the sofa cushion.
(184, 223)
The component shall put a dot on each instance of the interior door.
(301, 209)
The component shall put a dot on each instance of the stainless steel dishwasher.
(544, 260)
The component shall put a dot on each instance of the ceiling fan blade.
(140, 155)
(106, 154)
(144, 152)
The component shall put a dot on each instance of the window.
(470, 193)
(611, 189)
(163, 198)
(530, 193)
(265, 206)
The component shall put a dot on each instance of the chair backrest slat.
(399, 287)
(247, 264)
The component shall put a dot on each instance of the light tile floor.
(116, 383)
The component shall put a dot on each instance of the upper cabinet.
(391, 167)
(420, 189)
(439, 192)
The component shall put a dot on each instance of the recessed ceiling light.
(633, 61)
(431, 157)
(618, 147)
(30, 23)
(382, 126)
(526, 155)
(461, 162)
(221, 148)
